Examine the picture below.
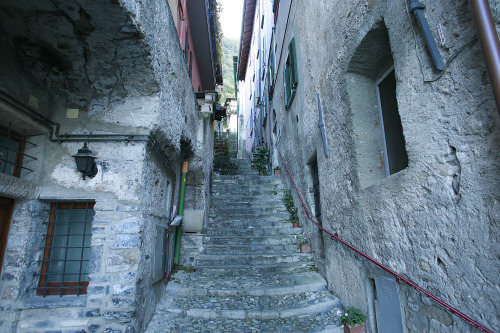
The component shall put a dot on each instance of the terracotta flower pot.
(296, 224)
(277, 172)
(305, 248)
(359, 328)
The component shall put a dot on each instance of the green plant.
(187, 269)
(302, 240)
(261, 159)
(352, 316)
(290, 206)
(288, 200)
(277, 168)
(224, 165)
(314, 268)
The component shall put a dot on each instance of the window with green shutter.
(290, 74)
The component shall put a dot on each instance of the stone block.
(123, 260)
(127, 209)
(125, 277)
(130, 225)
(123, 290)
(10, 292)
(127, 242)
(95, 260)
(118, 314)
(119, 302)
(97, 290)
(96, 279)
(95, 312)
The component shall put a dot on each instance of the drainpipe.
(488, 37)
(178, 233)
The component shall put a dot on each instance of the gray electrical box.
(388, 306)
(159, 254)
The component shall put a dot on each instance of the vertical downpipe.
(488, 37)
(178, 234)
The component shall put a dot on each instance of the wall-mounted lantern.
(85, 162)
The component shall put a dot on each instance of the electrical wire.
(417, 50)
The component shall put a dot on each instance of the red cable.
(398, 277)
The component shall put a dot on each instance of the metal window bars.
(67, 249)
(12, 146)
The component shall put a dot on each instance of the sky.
(232, 11)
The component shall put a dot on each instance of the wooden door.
(6, 206)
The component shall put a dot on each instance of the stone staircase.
(250, 275)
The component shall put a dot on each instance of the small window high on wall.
(395, 156)
(377, 129)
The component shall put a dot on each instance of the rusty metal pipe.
(488, 37)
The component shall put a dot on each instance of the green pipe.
(178, 234)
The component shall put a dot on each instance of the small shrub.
(352, 316)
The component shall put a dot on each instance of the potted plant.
(261, 159)
(277, 171)
(353, 320)
(305, 246)
(294, 218)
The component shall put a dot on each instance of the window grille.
(67, 249)
(12, 154)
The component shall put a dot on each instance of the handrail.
(399, 278)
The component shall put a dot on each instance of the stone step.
(166, 322)
(242, 180)
(267, 283)
(251, 259)
(282, 268)
(258, 240)
(244, 193)
(252, 232)
(251, 307)
(245, 216)
(246, 202)
(231, 210)
(248, 249)
(248, 224)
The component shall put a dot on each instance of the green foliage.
(261, 158)
(302, 240)
(230, 48)
(290, 206)
(224, 165)
(352, 316)
(222, 162)
(187, 269)
(216, 10)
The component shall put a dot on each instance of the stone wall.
(436, 221)
(125, 74)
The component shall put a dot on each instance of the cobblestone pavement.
(250, 276)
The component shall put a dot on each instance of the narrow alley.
(247, 166)
(250, 275)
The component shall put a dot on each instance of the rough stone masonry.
(95, 68)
